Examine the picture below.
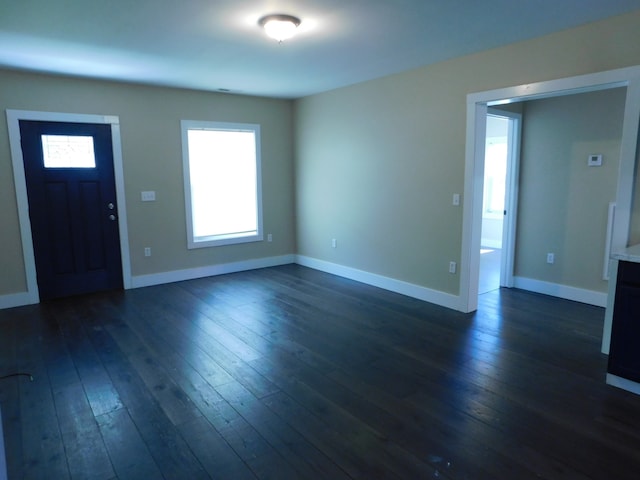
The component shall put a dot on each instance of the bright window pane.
(67, 151)
(222, 170)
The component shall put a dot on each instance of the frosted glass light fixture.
(279, 27)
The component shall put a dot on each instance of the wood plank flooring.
(290, 373)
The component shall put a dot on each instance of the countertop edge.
(629, 254)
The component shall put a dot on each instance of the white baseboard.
(422, 293)
(590, 297)
(16, 300)
(208, 271)
(447, 300)
(411, 290)
(624, 383)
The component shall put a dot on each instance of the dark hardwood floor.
(292, 373)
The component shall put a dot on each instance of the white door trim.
(477, 104)
(13, 119)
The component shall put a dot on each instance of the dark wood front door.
(72, 207)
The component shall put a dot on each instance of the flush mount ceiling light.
(279, 27)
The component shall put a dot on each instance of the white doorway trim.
(13, 119)
(477, 107)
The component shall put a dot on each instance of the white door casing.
(477, 108)
(13, 119)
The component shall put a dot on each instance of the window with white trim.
(222, 180)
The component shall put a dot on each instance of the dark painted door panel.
(72, 210)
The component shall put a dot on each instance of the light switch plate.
(149, 196)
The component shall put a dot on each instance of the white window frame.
(222, 239)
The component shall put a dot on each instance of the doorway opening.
(497, 243)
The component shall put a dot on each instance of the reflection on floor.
(289, 372)
(489, 269)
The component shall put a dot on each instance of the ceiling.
(217, 45)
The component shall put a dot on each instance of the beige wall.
(377, 163)
(563, 203)
(152, 157)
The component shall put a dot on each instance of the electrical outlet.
(551, 258)
(147, 251)
(452, 267)
(334, 243)
(269, 237)
(456, 199)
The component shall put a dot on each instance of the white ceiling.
(217, 44)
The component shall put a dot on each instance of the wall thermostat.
(595, 161)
